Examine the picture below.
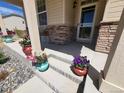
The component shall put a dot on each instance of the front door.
(85, 27)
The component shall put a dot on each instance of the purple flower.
(77, 60)
(81, 61)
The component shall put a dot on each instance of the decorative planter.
(3, 60)
(1, 33)
(79, 72)
(27, 50)
(7, 39)
(31, 58)
(42, 66)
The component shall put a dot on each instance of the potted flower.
(1, 33)
(7, 39)
(80, 65)
(3, 58)
(26, 46)
(41, 62)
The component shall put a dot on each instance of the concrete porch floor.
(72, 48)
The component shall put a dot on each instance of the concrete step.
(34, 85)
(58, 82)
(63, 67)
(89, 86)
(65, 56)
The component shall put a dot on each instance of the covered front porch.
(36, 32)
(65, 26)
(61, 73)
(61, 69)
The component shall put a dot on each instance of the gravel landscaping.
(20, 74)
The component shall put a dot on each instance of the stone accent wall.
(60, 34)
(106, 36)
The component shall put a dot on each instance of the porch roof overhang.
(15, 2)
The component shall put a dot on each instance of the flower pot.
(80, 72)
(8, 39)
(42, 66)
(27, 50)
(31, 58)
(3, 60)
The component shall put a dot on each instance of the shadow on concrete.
(82, 85)
(94, 75)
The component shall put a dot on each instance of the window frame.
(79, 25)
(38, 13)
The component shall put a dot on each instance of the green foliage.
(42, 58)
(2, 55)
(15, 37)
(25, 42)
(21, 33)
(39, 59)
(3, 58)
(1, 40)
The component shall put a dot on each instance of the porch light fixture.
(74, 3)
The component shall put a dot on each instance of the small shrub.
(1, 40)
(1, 43)
(2, 55)
(3, 58)
(21, 33)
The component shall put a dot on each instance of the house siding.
(60, 20)
(113, 10)
(69, 12)
(55, 11)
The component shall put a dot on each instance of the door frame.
(92, 30)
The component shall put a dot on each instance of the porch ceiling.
(15, 2)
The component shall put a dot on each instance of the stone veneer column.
(31, 16)
(60, 34)
(113, 76)
(106, 36)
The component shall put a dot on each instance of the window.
(84, 2)
(87, 16)
(42, 14)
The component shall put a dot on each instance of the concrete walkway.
(34, 85)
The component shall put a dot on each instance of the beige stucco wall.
(68, 12)
(60, 12)
(14, 22)
(77, 13)
(113, 10)
(55, 11)
(115, 73)
(114, 69)
(100, 7)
